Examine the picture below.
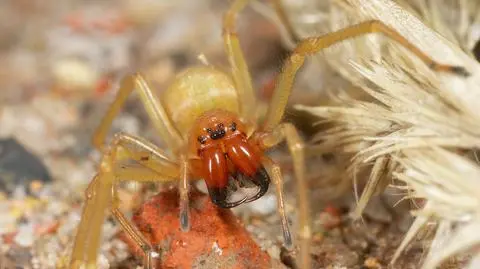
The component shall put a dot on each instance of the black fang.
(220, 196)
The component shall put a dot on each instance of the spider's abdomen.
(196, 91)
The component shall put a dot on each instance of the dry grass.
(414, 129)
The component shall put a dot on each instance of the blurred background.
(61, 62)
(60, 66)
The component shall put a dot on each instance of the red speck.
(48, 228)
(332, 210)
(102, 86)
(117, 25)
(266, 92)
(8, 237)
(76, 22)
(109, 24)
(330, 217)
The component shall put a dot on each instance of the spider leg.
(152, 104)
(183, 188)
(240, 72)
(137, 237)
(92, 217)
(153, 167)
(182, 172)
(284, 19)
(277, 179)
(289, 133)
(313, 45)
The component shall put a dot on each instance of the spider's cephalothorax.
(230, 163)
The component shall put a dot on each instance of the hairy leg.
(288, 132)
(101, 190)
(183, 188)
(152, 104)
(275, 172)
(88, 237)
(240, 72)
(313, 45)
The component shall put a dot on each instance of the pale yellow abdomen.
(196, 91)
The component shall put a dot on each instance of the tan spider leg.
(101, 190)
(183, 188)
(140, 174)
(276, 174)
(240, 72)
(146, 153)
(152, 104)
(137, 237)
(92, 216)
(313, 45)
(284, 19)
(288, 132)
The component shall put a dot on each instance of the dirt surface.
(61, 64)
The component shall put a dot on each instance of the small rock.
(333, 252)
(19, 167)
(217, 238)
(372, 263)
(377, 210)
(329, 218)
(25, 235)
(17, 257)
(265, 205)
(74, 74)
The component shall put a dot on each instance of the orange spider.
(208, 120)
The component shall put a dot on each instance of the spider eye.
(233, 126)
(209, 130)
(220, 126)
(202, 139)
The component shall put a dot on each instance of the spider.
(208, 120)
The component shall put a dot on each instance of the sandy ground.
(58, 74)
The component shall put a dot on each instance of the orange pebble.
(217, 238)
